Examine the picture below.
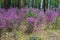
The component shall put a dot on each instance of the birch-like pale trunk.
(48, 4)
(30, 3)
(41, 4)
(34, 3)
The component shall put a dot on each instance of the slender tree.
(59, 4)
(41, 4)
(37, 3)
(12, 3)
(32, 3)
(0, 3)
(15, 3)
(48, 4)
(44, 7)
(56, 3)
(25, 3)
(6, 5)
(9, 3)
(19, 4)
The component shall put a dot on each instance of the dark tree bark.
(44, 7)
(56, 4)
(25, 3)
(19, 4)
(9, 3)
(39, 5)
(6, 5)
(32, 3)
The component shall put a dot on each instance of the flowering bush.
(14, 16)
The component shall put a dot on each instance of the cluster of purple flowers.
(51, 15)
(31, 19)
(14, 16)
(11, 16)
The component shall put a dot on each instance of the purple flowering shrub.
(34, 17)
(52, 18)
(12, 17)
(30, 27)
(2, 24)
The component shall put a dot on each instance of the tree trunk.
(44, 6)
(41, 4)
(6, 5)
(19, 4)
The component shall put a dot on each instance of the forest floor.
(48, 34)
(44, 35)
